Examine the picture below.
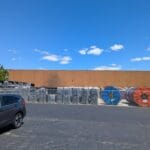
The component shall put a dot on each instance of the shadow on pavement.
(5, 129)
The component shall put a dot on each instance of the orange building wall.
(53, 78)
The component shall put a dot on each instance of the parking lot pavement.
(62, 127)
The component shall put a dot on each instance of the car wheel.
(18, 120)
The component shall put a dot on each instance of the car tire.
(18, 120)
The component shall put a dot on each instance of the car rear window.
(8, 100)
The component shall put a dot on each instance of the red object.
(141, 96)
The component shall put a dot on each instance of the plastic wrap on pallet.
(93, 96)
(66, 95)
(50, 98)
(111, 95)
(41, 95)
(32, 96)
(83, 96)
(74, 99)
(140, 96)
(59, 95)
(25, 92)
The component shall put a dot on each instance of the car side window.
(8, 100)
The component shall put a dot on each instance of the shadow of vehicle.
(5, 129)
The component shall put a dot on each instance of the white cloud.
(146, 58)
(14, 54)
(56, 58)
(41, 51)
(138, 59)
(65, 60)
(113, 64)
(111, 67)
(16, 58)
(83, 51)
(117, 47)
(51, 58)
(93, 50)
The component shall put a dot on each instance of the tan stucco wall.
(53, 78)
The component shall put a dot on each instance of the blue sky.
(75, 34)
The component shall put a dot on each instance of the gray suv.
(12, 110)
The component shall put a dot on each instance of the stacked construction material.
(77, 95)
(129, 95)
(74, 98)
(66, 95)
(93, 96)
(59, 95)
(83, 96)
(41, 95)
(140, 96)
(111, 95)
(122, 92)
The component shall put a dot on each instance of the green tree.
(3, 73)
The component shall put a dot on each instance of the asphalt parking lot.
(63, 127)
